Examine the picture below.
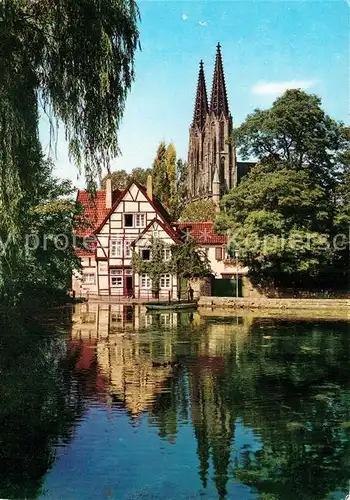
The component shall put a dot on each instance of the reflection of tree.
(213, 422)
(299, 411)
(38, 405)
(287, 383)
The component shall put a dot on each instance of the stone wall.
(279, 304)
(251, 291)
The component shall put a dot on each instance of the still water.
(121, 405)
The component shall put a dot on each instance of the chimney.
(216, 190)
(109, 193)
(150, 187)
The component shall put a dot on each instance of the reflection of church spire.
(213, 422)
(200, 431)
(221, 444)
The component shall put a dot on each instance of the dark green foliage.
(199, 211)
(40, 264)
(161, 184)
(120, 178)
(190, 262)
(186, 262)
(75, 58)
(285, 215)
(79, 56)
(38, 408)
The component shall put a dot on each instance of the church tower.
(196, 153)
(210, 157)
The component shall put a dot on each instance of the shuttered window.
(218, 253)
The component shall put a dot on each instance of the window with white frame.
(134, 220)
(155, 233)
(148, 319)
(116, 248)
(145, 281)
(89, 278)
(140, 220)
(128, 272)
(165, 281)
(128, 250)
(167, 253)
(117, 277)
(165, 319)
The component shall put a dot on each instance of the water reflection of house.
(103, 319)
(133, 365)
(135, 353)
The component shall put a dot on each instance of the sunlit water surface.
(127, 405)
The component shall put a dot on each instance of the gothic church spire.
(218, 102)
(201, 105)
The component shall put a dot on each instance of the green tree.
(295, 130)
(75, 59)
(282, 216)
(171, 172)
(77, 56)
(178, 201)
(199, 211)
(140, 175)
(42, 265)
(170, 179)
(160, 175)
(121, 178)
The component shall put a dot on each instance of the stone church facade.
(213, 166)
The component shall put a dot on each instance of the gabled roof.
(154, 202)
(164, 225)
(95, 214)
(202, 232)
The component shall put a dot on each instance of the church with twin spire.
(211, 158)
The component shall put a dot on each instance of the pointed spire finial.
(218, 102)
(201, 104)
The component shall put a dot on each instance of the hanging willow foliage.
(77, 58)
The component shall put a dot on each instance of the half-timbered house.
(120, 222)
(130, 217)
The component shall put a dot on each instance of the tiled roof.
(84, 253)
(95, 210)
(202, 232)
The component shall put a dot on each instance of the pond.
(121, 404)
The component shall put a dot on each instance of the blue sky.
(267, 46)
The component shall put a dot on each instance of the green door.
(226, 288)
